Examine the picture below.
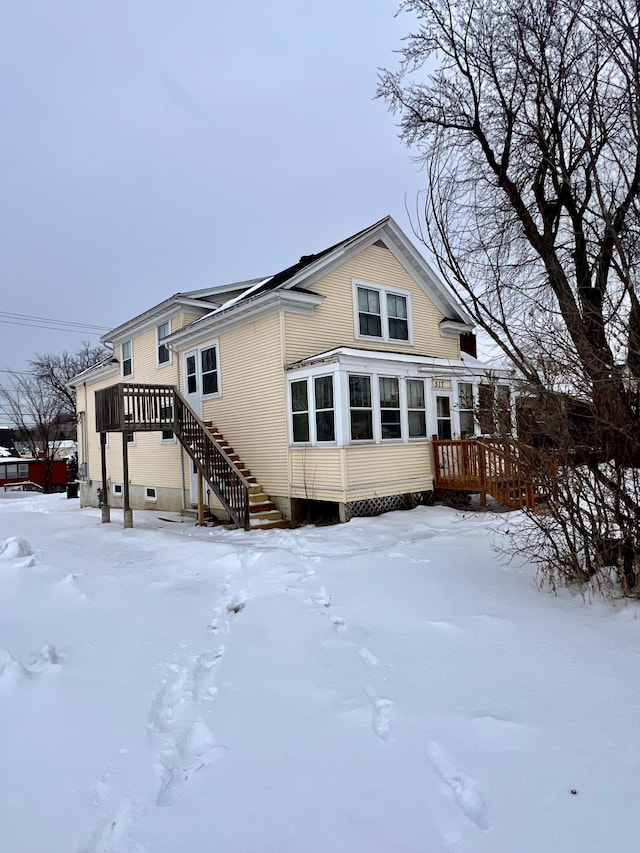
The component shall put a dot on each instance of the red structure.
(16, 472)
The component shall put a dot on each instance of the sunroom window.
(325, 413)
(465, 408)
(389, 407)
(416, 408)
(361, 412)
(300, 410)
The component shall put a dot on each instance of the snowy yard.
(381, 686)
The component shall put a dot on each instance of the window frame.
(383, 292)
(312, 409)
(150, 499)
(423, 409)
(466, 410)
(399, 408)
(200, 374)
(370, 408)
(160, 346)
(124, 360)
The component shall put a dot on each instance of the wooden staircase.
(263, 513)
(515, 475)
(131, 407)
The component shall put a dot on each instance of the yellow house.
(313, 391)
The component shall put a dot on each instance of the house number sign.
(441, 384)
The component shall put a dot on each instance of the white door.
(192, 383)
(193, 396)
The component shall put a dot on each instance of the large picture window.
(381, 313)
(361, 412)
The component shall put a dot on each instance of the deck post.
(128, 512)
(482, 464)
(106, 510)
(200, 499)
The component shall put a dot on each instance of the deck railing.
(512, 473)
(133, 407)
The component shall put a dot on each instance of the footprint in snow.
(467, 794)
(368, 658)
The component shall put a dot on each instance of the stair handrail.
(241, 518)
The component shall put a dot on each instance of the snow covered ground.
(381, 686)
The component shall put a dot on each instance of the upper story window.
(127, 358)
(209, 362)
(164, 353)
(381, 313)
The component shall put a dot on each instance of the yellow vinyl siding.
(387, 470)
(251, 413)
(332, 323)
(316, 473)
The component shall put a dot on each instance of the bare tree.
(526, 117)
(37, 413)
(56, 369)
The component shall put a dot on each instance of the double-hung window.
(300, 410)
(313, 410)
(381, 313)
(164, 355)
(209, 362)
(416, 408)
(389, 387)
(360, 408)
(465, 408)
(127, 358)
(325, 412)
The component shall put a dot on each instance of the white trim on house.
(440, 378)
(262, 305)
(383, 292)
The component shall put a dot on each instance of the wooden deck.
(514, 474)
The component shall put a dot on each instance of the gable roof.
(301, 275)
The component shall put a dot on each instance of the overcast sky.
(155, 146)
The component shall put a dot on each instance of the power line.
(34, 322)
(52, 320)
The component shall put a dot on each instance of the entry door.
(193, 396)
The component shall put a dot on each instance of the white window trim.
(117, 490)
(216, 394)
(309, 378)
(122, 359)
(171, 440)
(412, 439)
(384, 318)
(159, 340)
(148, 497)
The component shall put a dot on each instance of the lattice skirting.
(378, 506)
